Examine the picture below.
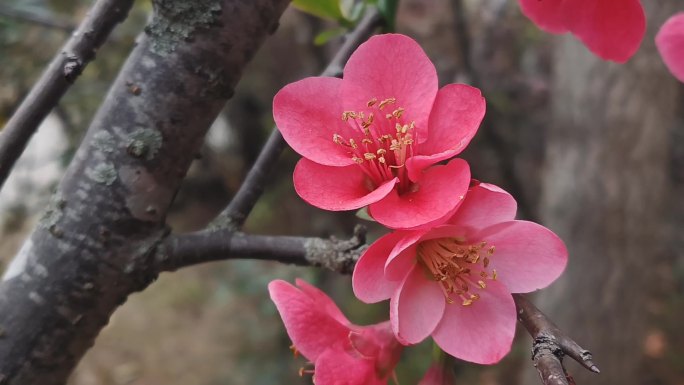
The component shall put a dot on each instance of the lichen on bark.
(175, 21)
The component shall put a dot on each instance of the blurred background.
(591, 149)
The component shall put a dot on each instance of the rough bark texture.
(605, 193)
(95, 243)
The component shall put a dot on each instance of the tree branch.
(217, 245)
(95, 243)
(550, 345)
(66, 66)
(234, 216)
(39, 19)
(506, 157)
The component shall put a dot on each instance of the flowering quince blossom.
(373, 138)
(612, 29)
(454, 281)
(670, 43)
(342, 353)
(439, 373)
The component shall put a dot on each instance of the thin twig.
(234, 216)
(57, 78)
(496, 141)
(221, 244)
(35, 18)
(550, 345)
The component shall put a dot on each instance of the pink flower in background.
(439, 373)
(454, 281)
(611, 29)
(670, 43)
(373, 137)
(341, 352)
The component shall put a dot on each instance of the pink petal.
(611, 29)
(546, 14)
(482, 332)
(391, 66)
(454, 120)
(440, 189)
(336, 188)
(416, 164)
(670, 42)
(322, 301)
(311, 329)
(416, 308)
(439, 373)
(484, 205)
(527, 256)
(403, 257)
(398, 267)
(337, 367)
(369, 282)
(308, 113)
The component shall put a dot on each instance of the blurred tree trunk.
(606, 192)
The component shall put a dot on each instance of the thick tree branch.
(550, 345)
(234, 216)
(58, 77)
(96, 241)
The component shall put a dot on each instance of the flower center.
(382, 141)
(457, 267)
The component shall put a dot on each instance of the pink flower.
(454, 281)
(439, 373)
(611, 29)
(373, 137)
(342, 353)
(670, 43)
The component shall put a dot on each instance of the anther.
(386, 102)
(372, 102)
(398, 112)
(369, 156)
(294, 350)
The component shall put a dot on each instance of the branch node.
(337, 255)
(72, 68)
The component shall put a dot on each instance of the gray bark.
(95, 244)
(606, 191)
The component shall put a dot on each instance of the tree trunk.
(94, 245)
(606, 190)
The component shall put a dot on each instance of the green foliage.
(363, 214)
(329, 34)
(388, 10)
(347, 14)
(325, 9)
